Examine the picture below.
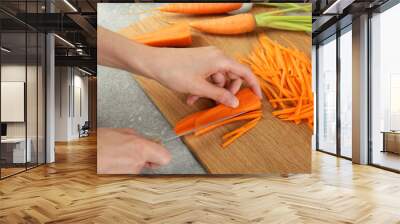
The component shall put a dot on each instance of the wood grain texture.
(69, 191)
(273, 146)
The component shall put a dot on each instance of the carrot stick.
(245, 128)
(286, 99)
(301, 116)
(284, 111)
(285, 78)
(310, 125)
(246, 116)
(238, 130)
(237, 24)
(269, 95)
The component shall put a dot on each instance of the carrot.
(285, 99)
(247, 116)
(187, 123)
(237, 24)
(248, 101)
(245, 128)
(285, 78)
(249, 108)
(177, 35)
(247, 22)
(200, 8)
(301, 116)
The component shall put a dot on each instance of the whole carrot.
(246, 22)
(200, 8)
(237, 24)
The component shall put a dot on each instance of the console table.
(391, 141)
(13, 150)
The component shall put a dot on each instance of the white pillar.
(50, 99)
(360, 90)
(50, 92)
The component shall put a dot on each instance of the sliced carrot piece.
(177, 35)
(248, 101)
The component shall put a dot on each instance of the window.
(385, 89)
(327, 96)
(346, 95)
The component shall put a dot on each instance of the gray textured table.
(123, 104)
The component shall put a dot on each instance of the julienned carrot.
(286, 99)
(238, 130)
(249, 108)
(237, 24)
(247, 22)
(246, 116)
(285, 78)
(200, 8)
(245, 128)
(177, 35)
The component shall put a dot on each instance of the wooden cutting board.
(273, 146)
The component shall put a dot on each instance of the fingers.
(218, 79)
(219, 94)
(244, 73)
(234, 86)
(129, 131)
(155, 154)
(191, 99)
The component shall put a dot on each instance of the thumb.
(156, 154)
(219, 94)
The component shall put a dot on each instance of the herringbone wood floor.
(69, 191)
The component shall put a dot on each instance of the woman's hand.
(123, 151)
(200, 72)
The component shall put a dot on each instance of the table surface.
(13, 140)
(116, 87)
(390, 132)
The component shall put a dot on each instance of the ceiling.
(332, 15)
(72, 20)
(76, 22)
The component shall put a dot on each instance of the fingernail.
(235, 102)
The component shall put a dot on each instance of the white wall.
(16, 73)
(79, 117)
(68, 82)
(62, 82)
